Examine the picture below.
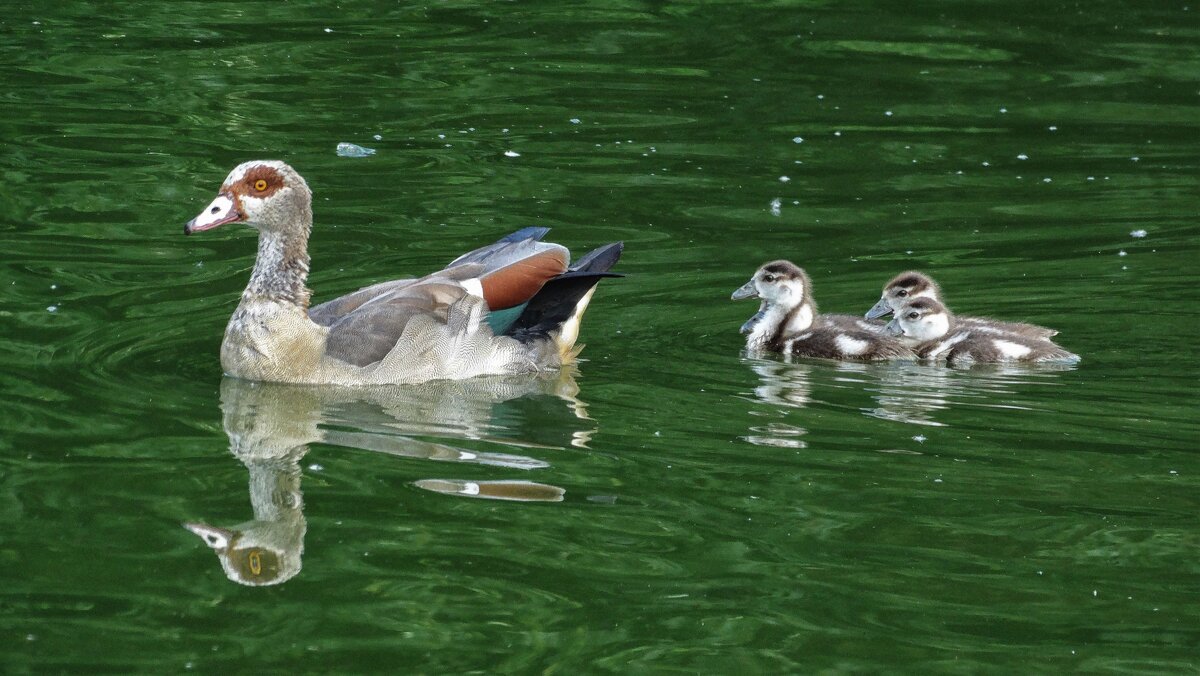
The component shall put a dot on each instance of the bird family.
(922, 327)
(515, 306)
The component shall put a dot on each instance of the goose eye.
(260, 185)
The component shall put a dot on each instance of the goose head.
(903, 288)
(784, 290)
(265, 194)
(778, 283)
(920, 320)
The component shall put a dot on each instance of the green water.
(685, 508)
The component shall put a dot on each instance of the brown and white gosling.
(909, 285)
(788, 321)
(934, 333)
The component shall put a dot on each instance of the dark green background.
(722, 514)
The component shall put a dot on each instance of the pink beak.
(224, 209)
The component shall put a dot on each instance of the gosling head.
(920, 320)
(903, 288)
(265, 194)
(781, 283)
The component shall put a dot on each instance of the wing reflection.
(270, 427)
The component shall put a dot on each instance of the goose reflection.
(271, 425)
(916, 393)
(781, 384)
(904, 392)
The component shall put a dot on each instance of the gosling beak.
(893, 328)
(224, 209)
(879, 309)
(747, 290)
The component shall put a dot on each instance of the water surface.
(671, 504)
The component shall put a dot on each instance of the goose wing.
(365, 325)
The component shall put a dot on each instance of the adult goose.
(510, 307)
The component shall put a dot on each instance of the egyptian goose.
(510, 307)
(908, 285)
(787, 321)
(934, 333)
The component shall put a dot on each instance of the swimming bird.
(788, 321)
(510, 307)
(934, 333)
(908, 285)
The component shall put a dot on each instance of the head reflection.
(270, 427)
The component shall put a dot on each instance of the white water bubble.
(1136, 233)
(511, 153)
(574, 120)
(1022, 156)
(776, 207)
(784, 179)
(797, 139)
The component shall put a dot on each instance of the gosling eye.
(902, 293)
(260, 185)
(913, 315)
(768, 278)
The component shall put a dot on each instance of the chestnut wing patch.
(519, 281)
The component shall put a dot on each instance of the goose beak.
(893, 328)
(879, 309)
(217, 538)
(224, 209)
(747, 290)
